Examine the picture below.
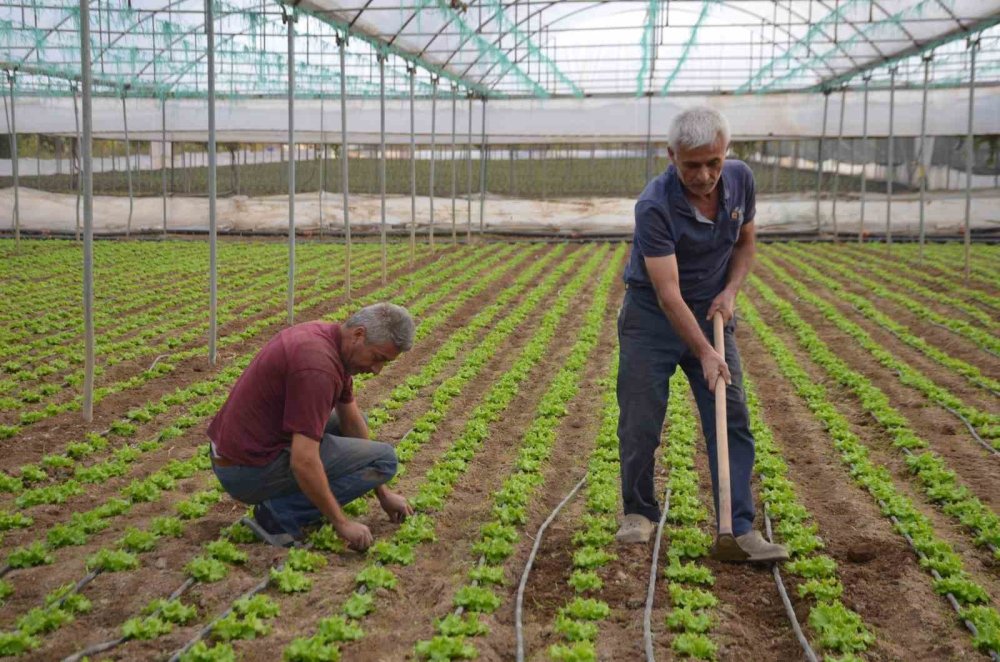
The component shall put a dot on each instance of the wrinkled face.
(700, 167)
(360, 356)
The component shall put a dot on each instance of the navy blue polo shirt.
(666, 224)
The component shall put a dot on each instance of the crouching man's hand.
(355, 534)
(394, 505)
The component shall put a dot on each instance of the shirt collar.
(679, 202)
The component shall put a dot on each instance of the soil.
(946, 434)
(977, 561)
(882, 579)
(954, 344)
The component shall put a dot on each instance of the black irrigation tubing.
(990, 546)
(647, 619)
(898, 337)
(114, 643)
(972, 431)
(203, 632)
(951, 598)
(985, 349)
(518, 625)
(789, 610)
(965, 422)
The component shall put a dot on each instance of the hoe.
(725, 547)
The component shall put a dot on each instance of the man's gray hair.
(697, 127)
(385, 322)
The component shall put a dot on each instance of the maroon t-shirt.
(291, 386)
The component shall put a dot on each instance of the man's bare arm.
(307, 466)
(352, 422)
(739, 268)
(664, 275)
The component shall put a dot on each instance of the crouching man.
(291, 440)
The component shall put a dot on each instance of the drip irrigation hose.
(202, 633)
(946, 328)
(990, 546)
(789, 610)
(969, 625)
(966, 422)
(114, 643)
(519, 604)
(900, 338)
(157, 360)
(972, 431)
(647, 619)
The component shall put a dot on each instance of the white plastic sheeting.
(54, 212)
(778, 116)
(569, 48)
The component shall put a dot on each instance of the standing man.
(692, 249)
(275, 443)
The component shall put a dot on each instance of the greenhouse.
(185, 183)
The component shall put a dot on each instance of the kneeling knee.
(386, 462)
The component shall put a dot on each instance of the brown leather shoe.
(760, 550)
(635, 528)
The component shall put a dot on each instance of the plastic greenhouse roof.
(500, 48)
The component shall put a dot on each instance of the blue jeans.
(649, 352)
(353, 467)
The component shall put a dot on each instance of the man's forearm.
(312, 480)
(740, 265)
(683, 321)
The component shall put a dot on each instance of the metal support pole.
(86, 161)
(454, 168)
(288, 17)
(430, 191)
(923, 153)
(775, 169)
(891, 170)
(836, 172)
(14, 163)
(213, 289)
(649, 136)
(412, 71)
(468, 181)
(128, 168)
(163, 158)
(76, 119)
(482, 174)
(864, 165)
(322, 158)
(381, 157)
(344, 162)
(819, 157)
(970, 155)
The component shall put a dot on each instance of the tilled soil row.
(546, 590)
(940, 428)
(187, 444)
(424, 586)
(212, 597)
(947, 340)
(53, 433)
(882, 579)
(977, 560)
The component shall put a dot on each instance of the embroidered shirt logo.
(737, 214)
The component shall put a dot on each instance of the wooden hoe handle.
(722, 437)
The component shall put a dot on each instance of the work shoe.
(759, 550)
(265, 526)
(635, 528)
